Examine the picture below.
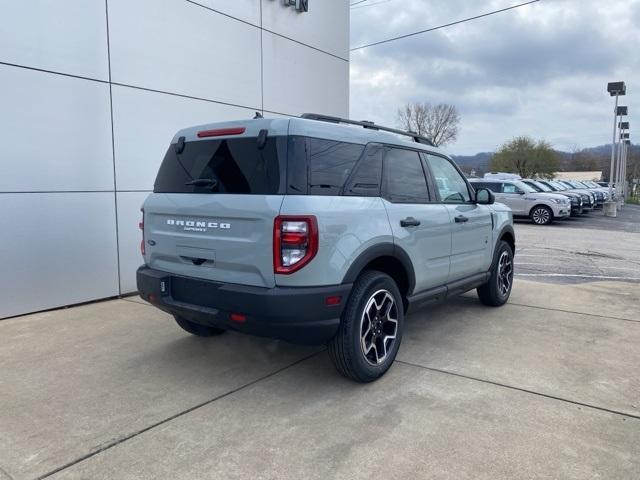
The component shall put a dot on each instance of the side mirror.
(520, 192)
(485, 196)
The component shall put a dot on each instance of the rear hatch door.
(212, 212)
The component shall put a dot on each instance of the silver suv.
(317, 230)
(543, 208)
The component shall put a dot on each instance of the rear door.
(221, 228)
(471, 224)
(421, 228)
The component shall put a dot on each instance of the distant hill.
(590, 158)
(478, 162)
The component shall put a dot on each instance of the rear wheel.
(497, 290)
(541, 215)
(370, 330)
(197, 328)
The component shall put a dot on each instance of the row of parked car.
(544, 201)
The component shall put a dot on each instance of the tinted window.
(537, 188)
(493, 186)
(330, 163)
(233, 165)
(451, 186)
(404, 178)
(365, 180)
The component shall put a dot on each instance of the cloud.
(539, 70)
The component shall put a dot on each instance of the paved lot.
(582, 249)
(545, 387)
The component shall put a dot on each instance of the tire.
(357, 356)
(198, 329)
(541, 215)
(497, 290)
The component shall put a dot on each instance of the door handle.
(409, 222)
(461, 219)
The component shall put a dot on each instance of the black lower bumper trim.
(295, 314)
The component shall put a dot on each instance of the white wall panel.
(324, 26)
(144, 124)
(175, 46)
(247, 10)
(129, 237)
(298, 79)
(56, 249)
(55, 132)
(67, 36)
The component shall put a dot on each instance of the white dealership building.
(91, 93)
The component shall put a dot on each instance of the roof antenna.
(258, 115)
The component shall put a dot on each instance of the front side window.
(451, 186)
(537, 188)
(404, 177)
(510, 188)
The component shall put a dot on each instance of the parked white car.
(541, 207)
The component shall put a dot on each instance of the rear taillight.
(141, 225)
(295, 242)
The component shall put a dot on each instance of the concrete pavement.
(545, 387)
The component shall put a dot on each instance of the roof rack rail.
(367, 124)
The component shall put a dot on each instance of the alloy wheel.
(505, 273)
(378, 327)
(541, 216)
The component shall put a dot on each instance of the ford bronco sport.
(317, 230)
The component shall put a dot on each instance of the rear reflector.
(220, 132)
(333, 300)
(238, 317)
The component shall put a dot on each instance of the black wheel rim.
(505, 273)
(378, 327)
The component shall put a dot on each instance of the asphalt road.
(583, 249)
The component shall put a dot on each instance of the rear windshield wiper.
(203, 182)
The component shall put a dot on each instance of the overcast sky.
(539, 70)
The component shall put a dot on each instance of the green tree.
(526, 157)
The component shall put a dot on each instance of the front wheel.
(497, 290)
(541, 215)
(370, 329)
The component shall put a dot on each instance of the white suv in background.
(542, 207)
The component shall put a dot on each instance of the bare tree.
(439, 123)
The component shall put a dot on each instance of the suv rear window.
(236, 165)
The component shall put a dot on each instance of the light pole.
(615, 89)
(624, 140)
(621, 111)
(621, 157)
(627, 145)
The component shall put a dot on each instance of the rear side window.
(494, 187)
(330, 164)
(233, 165)
(365, 181)
(404, 177)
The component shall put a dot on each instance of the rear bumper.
(298, 315)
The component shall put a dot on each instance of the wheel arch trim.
(374, 252)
